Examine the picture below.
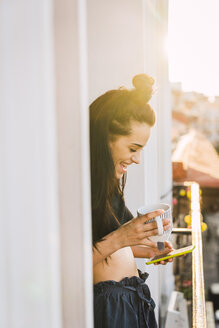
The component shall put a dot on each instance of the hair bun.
(143, 86)
(142, 81)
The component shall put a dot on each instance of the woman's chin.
(119, 175)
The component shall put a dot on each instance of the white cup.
(162, 235)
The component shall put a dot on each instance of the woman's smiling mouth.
(124, 167)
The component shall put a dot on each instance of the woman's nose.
(136, 158)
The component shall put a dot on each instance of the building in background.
(192, 110)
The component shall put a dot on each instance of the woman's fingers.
(138, 229)
(164, 262)
(146, 217)
(149, 243)
(153, 226)
(168, 246)
(144, 220)
(161, 262)
(149, 233)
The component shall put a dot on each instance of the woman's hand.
(149, 252)
(167, 248)
(137, 231)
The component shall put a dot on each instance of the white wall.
(29, 229)
(73, 162)
(115, 44)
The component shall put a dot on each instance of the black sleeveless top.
(121, 212)
(119, 215)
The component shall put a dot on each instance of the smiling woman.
(120, 124)
(114, 144)
(126, 149)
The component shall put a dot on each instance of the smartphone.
(174, 253)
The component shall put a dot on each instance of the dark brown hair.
(111, 114)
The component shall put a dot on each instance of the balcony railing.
(200, 319)
(199, 311)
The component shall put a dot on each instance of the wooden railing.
(199, 311)
(202, 312)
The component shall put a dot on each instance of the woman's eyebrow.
(135, 144)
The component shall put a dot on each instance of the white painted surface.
(73, 163)
(29, 229)
(115, 44)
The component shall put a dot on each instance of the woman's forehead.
(139, 135)
(139, 130)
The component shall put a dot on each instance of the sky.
(193, 45)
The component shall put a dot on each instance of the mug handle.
(159, 221)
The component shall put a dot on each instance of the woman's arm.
(132, 233)
(106, 247)
(148, 252)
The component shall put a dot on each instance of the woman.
(120, 124)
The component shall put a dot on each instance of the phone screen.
(174, 253)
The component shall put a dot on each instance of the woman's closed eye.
(133, 150)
